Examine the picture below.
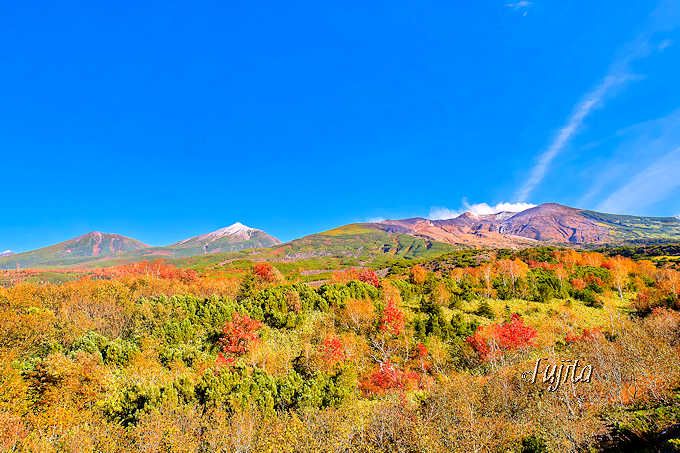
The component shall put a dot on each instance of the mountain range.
(97, 247)
(549, 223)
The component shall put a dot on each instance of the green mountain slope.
(629, 228)
(350, 245)
(91, 246)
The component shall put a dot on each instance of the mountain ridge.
(98, 246)
(548, 224)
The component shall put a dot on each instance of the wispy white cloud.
(625, 153)
(518, 4)
(582, 110)
(665, 44)
(654, 183)
(440, 213)
(618, 74)
(521, 6)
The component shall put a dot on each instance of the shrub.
(238, 336)
(496, 339)
(484, 310)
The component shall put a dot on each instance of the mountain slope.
(360, 241)
(549, 222)
(88, 247)
(228, 239)
(102, 249)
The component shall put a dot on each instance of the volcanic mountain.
(84, 248)
(228, 239)
(549, 222)
(104, 248)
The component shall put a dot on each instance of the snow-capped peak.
(236, 230)
(6, 253)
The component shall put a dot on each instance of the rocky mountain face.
(549, 222)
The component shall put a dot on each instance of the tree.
(388, 376)
(485, 310)
(619, 268)
(513, 270)
(392, 319)
(238, 336)
(332, 350)
(494, 340)
(418, 274)
(266, 272)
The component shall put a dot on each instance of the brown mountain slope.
(556, 223)
(549, 222)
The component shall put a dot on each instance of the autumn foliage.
(238, 336)
(494, 340)
(151, 356)
(332, 350)
(388, 376)
(156, 268)
(392, 319)
(265, 271)
(363, 275)
(586, 335)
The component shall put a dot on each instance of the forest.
(427, 355)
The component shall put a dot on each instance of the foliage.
(241, 358)
(494, 340)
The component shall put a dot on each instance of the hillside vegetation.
(430, 357)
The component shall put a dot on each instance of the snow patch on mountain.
(236, 231)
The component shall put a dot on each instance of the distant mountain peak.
(90, 246)
(99, 234)
(236, 231)
(234, 228)
(236, 236)
(6, 253)
(548, 222)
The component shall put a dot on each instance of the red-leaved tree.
(495, 340)
(332, 350)
(388, 376)
(392, 320)
(238, 336)
(265, 271)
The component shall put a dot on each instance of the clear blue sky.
(161, 120)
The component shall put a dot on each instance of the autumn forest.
(429, 355)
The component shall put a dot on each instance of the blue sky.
(161, 120)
